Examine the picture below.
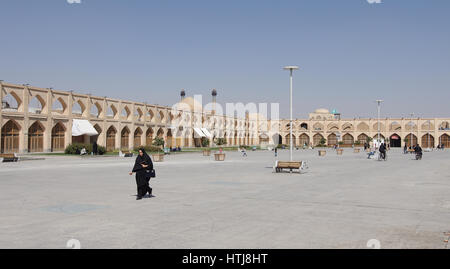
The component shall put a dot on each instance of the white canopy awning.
(198, 133)
(83, 127)
(206, 132)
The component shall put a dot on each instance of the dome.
(189, 103)
(322, 111)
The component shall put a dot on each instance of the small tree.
(322, 141)
(205, 142)
(221, 141)
(158, 142)
(369, 139)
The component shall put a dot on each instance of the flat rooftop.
(340, 202)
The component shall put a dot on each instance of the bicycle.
(382, 156)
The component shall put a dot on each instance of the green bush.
(158, 142)
(75, 149)
(152, 149)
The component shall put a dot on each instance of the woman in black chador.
(141, 166)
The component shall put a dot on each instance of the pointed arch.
(125, 138)
(348, 139)
(332, 140)
(303, 140)
(11, 102)
(36, 104)
(78, 108)
(137, 137)
(112, 111)
(362, 127)
(410, 140)
(59, 106)
(395, 126)
(58, 137)
(427, 141)
(96, 110)
(317, 138)
(445, 140)
(36, 137)
(149, 136)
(362, 138)
(10, 137)
(111, 138)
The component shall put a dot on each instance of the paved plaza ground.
(340, 202)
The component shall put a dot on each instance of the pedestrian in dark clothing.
(95, 148)
(142, 166)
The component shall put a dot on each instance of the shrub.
(152, 149)
(77, 147)
(205, 142)
(158, 142)
(221, 141)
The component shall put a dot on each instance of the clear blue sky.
(351, 52)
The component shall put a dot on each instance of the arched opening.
(11, 102)
(347, 127)
(58, 137)
(445, 140)
(395, 141)
(410, 140)
(36, 137)
(444, 126)
(303, 140)
(427, 141)
(348, 140)
(94, 138)
(78, 108)
(59, 106)
(10, 137)
(317, 138)
(125, 139)
(363, 127)
(169, 138)
(125, 113)
(395, 126)
(36, 105)
(111, 112)
(96, 109)
(149, 137)
(332, 140)
(362, 139)
(160, 133)
(137, 138)
(111, 139)
(304, 126)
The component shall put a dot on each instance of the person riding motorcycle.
(418, 151)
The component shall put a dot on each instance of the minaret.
(214, 95)
(182, 94)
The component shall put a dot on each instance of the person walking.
(276, 152)
(95, 148)
(142, 166)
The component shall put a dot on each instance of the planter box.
(206, 153)
(322, 152)
(339, 151)
(356, 150)
(219, 156)
(158, 157)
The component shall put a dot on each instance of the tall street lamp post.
(291, 69)
(379, 109)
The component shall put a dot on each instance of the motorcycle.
(418, 155)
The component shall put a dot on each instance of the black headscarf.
(141, 159)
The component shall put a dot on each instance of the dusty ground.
(341, 202)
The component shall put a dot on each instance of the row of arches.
(427, 140)
(37, 104)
